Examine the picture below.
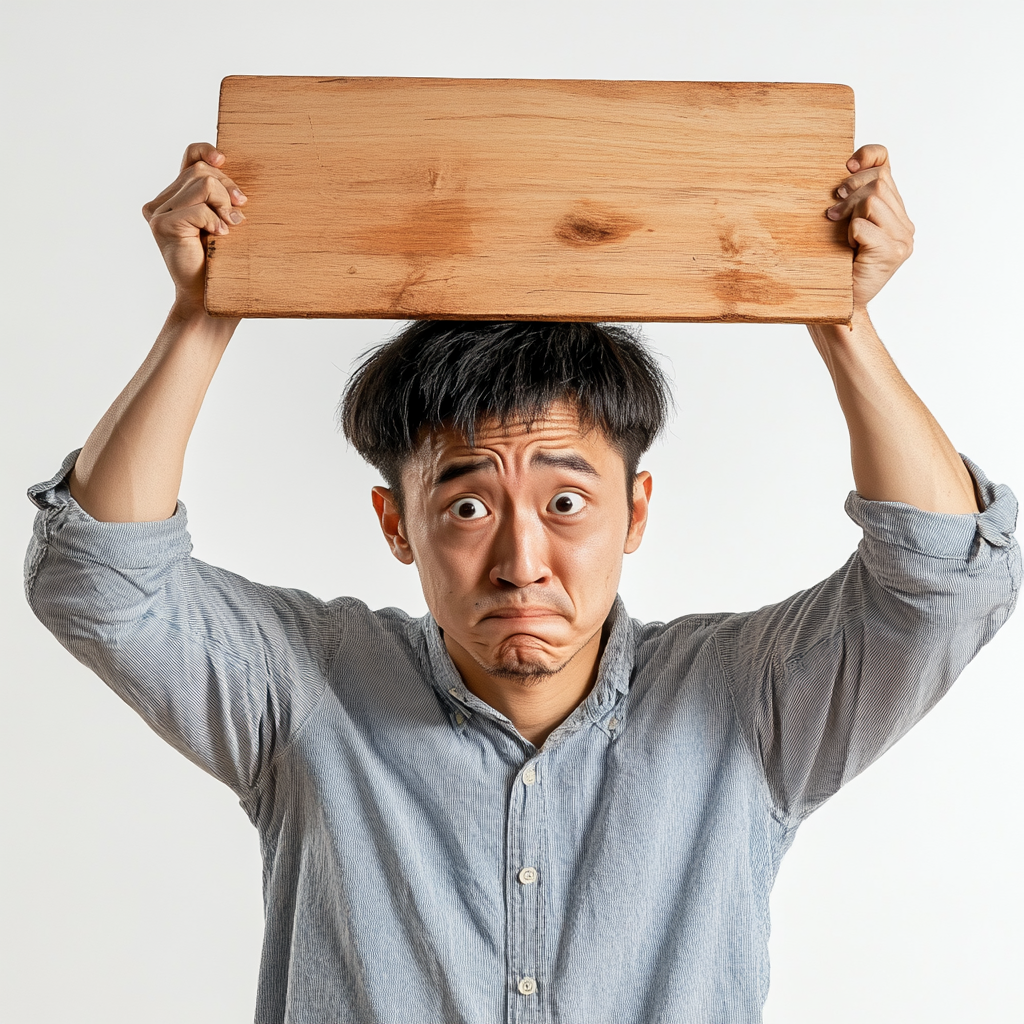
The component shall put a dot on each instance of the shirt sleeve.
(223, 669)
(827, 680)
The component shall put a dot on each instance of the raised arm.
(899, 451)
(130, 468)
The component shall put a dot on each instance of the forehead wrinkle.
(445, 453)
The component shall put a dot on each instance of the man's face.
(518, 540)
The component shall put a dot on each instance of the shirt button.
(613, 723)
(527, 986)
(459, 718)
(454, 692)
(528, 876)
(530, 775)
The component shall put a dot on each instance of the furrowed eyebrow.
(569, 460)
(457, 469)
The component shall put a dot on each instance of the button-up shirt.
(423, 862)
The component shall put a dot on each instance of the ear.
(642, 486)
(391, 524)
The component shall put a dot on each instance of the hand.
(200, 201)
(880, 230)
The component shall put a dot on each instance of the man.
(525, 806)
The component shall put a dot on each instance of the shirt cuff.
(940, 534)
(65, 526)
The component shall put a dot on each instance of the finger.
(862, 178)
(881, 189)
(868, 156)
(202, 169)
(861, 232)
(867, 237)
(195, 172)
(876, 245)
(208, 190)
(188, 221)
(202, 151)
(881, 213)
(875, 209)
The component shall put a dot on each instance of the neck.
(536, 705)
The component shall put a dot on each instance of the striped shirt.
(425, 863)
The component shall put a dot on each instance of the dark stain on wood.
(739, 286)
(439, 228)
(728, 244)
(589, 224)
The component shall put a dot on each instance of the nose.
(520, 554)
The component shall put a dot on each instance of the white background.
(133, 880)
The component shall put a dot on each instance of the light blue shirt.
(425, 864)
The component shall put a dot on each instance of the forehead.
(558, 427)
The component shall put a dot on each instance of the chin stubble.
(530, 673)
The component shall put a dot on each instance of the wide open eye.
(566, 503)
(468, 508)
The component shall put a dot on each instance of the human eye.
(468, 508)
(566, 503)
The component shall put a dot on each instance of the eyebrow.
(457, 469)
(568, 460)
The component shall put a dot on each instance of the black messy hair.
(443, 373)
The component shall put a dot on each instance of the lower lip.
(529, 617)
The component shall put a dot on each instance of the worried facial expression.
(518, 540)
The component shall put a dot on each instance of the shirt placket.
(525, 869)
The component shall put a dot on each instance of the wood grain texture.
(528, 199)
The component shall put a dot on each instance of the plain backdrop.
(132, 880)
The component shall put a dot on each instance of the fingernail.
(833, 213)
(841, 192)
(240, 196)
(235, 217)
(854, 165)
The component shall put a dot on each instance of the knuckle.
(215, 192)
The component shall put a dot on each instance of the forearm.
(130, 468)
(899, 451)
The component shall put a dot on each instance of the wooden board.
(528, 199)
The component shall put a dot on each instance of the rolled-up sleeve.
(827, 680)
(222, 668)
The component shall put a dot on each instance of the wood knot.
(590, 225)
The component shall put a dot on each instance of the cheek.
(447, 562)
(594, 555)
